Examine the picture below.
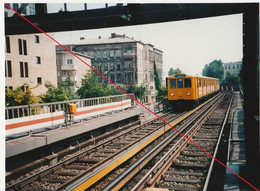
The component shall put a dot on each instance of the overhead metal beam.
(132, 14)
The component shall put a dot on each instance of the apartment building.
(68, 64)
(30, 59)
(123, 60)
(232, 68)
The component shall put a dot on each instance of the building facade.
(123, 60)
(68, 64)
(232, 68)
(30, 59)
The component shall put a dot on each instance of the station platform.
(236, 160)
(22, 145)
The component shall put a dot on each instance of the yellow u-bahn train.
(186, 90)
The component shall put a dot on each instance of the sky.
(188, 44)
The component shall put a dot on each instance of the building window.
(237, 66)
(98, 54)
(39, 81)
(7, 41)
(8, 69)
(9, 87)
(24, 47)
(58, 62)
(58, 73)
(69, 61)
(105, 54)
(6, 14)
(118, 76)
(24, 69)
(36, 39)
(24, 88)
(92, 54)
(20, 46)
(118, 53)
(38, 60)
(111, 53)
(118, 66)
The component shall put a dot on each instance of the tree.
(171, 72)
(65, 91)
(174, 71)
(157, 80)
(161, 91)
(214, 69)
(233, 80)
(22, 95)
(91, 87)
(137, 91)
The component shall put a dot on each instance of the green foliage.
(161, 91)
(232, 79)
(65, 91)
(91, 87)
(20, 97)
(137, 91)
(214, 69)
(157, 80)
(174, 71)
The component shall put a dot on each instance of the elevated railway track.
(99, 166)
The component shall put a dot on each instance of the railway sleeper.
(54, 180)
(178, 188)
(64, 173)
(195, 154)
(184, 173)
(76, 167)
(194, 159)
(190, 166)
(183, 180)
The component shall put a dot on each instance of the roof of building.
(115, 38)
(67, 52)
(238, 62)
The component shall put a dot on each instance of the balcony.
(69, 67)
(73, 78)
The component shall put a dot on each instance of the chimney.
(81, 38)
(99, 37)
(123, 35)
(113, 35)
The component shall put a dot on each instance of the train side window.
(199, 82)
(180, 83)
(172, 83)
(187, 82)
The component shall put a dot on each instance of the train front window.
(187, 83)
(180, 83)
(172, 83)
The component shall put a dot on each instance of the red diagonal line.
(133, 98)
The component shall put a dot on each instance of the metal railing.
(37, 109)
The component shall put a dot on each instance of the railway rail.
(86, 169)
(177, 166)
(78, 163)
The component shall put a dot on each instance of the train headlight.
(188, 93)
(172, 94)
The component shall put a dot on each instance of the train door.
(180, 88)
(199, 87)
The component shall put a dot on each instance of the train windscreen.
(180, 83)
(172, 83)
